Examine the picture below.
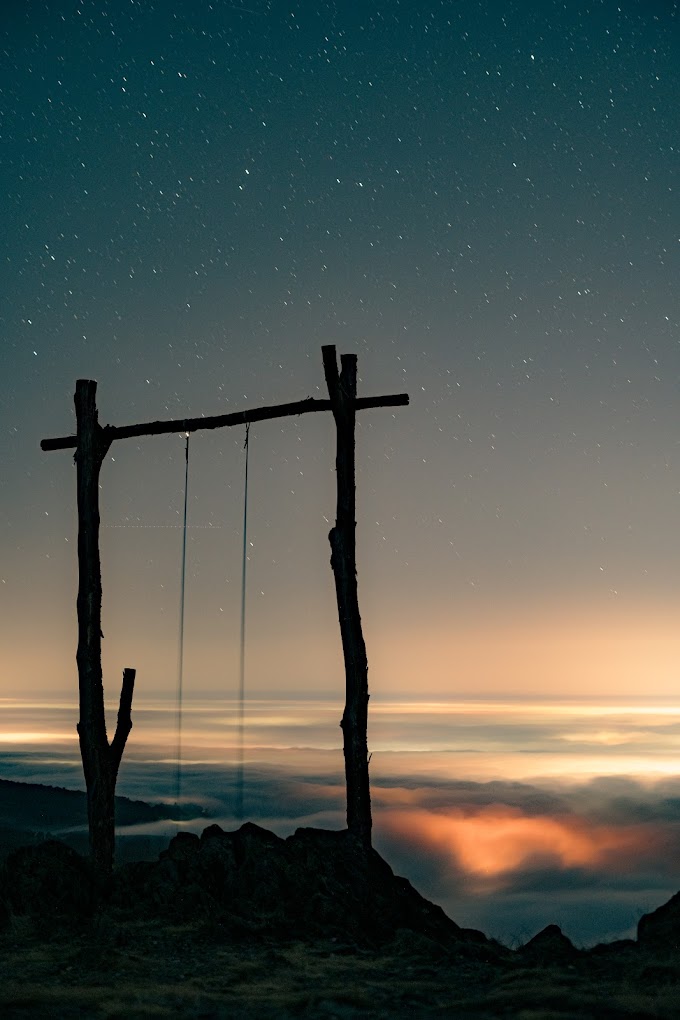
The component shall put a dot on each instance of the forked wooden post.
(100, 759)
(342, 390)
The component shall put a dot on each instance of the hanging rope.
(242, 661)
(180, 651)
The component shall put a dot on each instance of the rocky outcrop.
(550, 945)
(314, 881)
(47, 880)
(660, 930)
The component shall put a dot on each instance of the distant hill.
(34, 806)
(29, 812)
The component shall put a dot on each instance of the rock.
(660, 930)
(49, 880)
(315, 883)
(551, 945)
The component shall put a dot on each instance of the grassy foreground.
(120, 969)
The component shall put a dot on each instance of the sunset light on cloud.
(497, 840)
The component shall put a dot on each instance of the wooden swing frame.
(101, 758)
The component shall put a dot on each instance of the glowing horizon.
(482, 739)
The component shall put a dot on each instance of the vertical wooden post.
(100, 760)
(342, 390)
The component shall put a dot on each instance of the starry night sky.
(479, 199)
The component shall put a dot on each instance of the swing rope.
(180, 652)
(240, 753)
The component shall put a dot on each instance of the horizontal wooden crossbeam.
(218, 421)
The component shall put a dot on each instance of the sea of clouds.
(500, 849)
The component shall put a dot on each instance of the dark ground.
(147, 969)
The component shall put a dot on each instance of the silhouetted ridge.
(660, 930)
(548, 946)
(40, 807)
(314, 883)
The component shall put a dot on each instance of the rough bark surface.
(100, 760)
(342, 390)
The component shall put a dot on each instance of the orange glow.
(605, 650)
(500, 839)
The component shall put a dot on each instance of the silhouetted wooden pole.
(100, 759)
(342, 391)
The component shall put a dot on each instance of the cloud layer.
(550, 841)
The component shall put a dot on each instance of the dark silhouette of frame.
(101, 758)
